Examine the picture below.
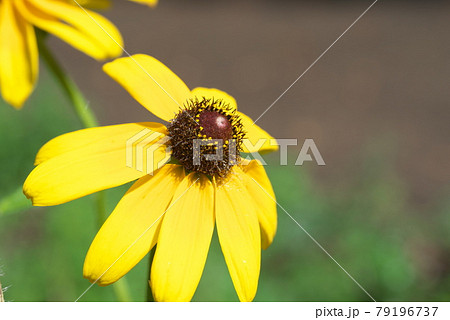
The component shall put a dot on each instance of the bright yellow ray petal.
(239, 234)
(184, 240)
(83, 29)
(151, 83)
(18, 56)
(132, 228)
(92, 166)
(260, 188)
(151, 3)
(81, 138)
(210, 93)
(257, 140)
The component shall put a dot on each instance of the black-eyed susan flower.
(180, 202)
(83, 29)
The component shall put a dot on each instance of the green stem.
(101, 208)
(79, 103)
(88, 119)
(14, 202)
(151, 255)
(122, 290)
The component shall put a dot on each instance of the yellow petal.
(132, 228)
(74, 140)
(239, 234)
(151, 83)
(18, 56)
(91, 160)
(83, 29)
(151, 3)
(184, 240)
(216, 94)
(256, 139)
(260, 188)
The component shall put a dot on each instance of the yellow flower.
(180, 203)
(85, 30)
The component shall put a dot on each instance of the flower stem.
(101, 208)
(88, 120)
(14, 202)
(79, 103)
(122, 290)
(151, 255)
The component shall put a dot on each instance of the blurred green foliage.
(368, 226)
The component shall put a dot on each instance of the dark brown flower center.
(215, 125)
(206, 136)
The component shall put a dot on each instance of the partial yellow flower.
(83, 29)
(178, 204)
(87, 31)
